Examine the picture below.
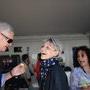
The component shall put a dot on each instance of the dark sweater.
(56, 79)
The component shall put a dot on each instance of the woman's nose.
(42, 49)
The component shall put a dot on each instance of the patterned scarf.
(45, 64)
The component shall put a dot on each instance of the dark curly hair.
(86, 50)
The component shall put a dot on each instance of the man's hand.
(19, 69)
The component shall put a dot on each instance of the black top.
(56, 79)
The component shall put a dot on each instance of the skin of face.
(48, 50)
(3, 40)
(82, 58)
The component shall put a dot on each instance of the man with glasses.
(6, 39)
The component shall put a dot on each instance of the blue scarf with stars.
(45, 64)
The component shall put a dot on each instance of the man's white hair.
(5, 27)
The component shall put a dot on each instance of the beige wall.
(34, 43)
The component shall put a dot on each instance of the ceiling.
(46, 17)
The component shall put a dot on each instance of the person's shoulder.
(57, 69)
(76, 70)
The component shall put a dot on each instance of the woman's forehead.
(49, 44)
(81, 52)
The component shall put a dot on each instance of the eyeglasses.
(9, 40)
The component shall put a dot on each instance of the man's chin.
(3, 50)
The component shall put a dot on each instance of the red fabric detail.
(37, 69)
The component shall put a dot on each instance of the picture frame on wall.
(17, 49)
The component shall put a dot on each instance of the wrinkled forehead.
(56, 43)
(8, 34)
(50, 44)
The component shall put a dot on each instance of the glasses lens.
(10, 41)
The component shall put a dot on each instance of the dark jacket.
(56, 80)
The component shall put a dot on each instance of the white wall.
(34, 43)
